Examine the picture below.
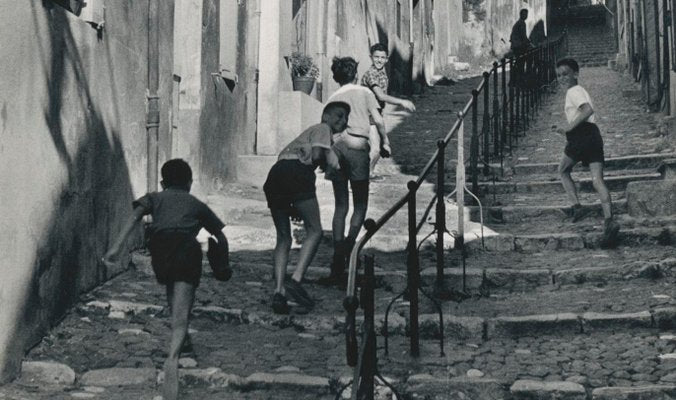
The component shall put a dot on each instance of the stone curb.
(574, 241)
(455, 327)
(613, 183)
(656, 392)
(638, 161)
(528, 389)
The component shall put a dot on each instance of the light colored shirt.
(300, 148)
(575, 97)
(361, 99)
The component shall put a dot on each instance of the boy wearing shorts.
(352, 149)
(585, 145)
(290, 191)
(176, 255)
(377, 80)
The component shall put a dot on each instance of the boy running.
(584, 144)
(377, 80)
(352, 149)
(290, 190)
(176, 255)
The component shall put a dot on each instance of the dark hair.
(344, 70)
(378, 47)
(176, 172)
(523, 11)
(570, 63)
(336, 104)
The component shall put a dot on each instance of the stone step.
(539, 214)
(614, 163)
(585, 184)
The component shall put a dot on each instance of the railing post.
(474, 143)
(486, 122)
(503, 134)
(496, 113)
(413, 269)
(351, 304)
(370, 361)
(440, 216)
(512, 99)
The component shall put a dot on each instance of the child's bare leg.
(596, 169)
(182, 300)
(565, 167)
(374, 153)
(309, 212)
(360, 200)
(342, 198)
(282, 248)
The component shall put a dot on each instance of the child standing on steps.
(377, 80)
(352, 149)
(176, 255)
(584, 144)
(290, 192)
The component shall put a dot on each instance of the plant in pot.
(304, 72)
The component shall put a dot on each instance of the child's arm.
(111, 257)
(382, 96)
(379, 122)
(323, 158)
(586, 111)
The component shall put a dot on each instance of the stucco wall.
(72, 156)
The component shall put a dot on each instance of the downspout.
(321, 50)
(411, 45)
(257, 15)
(153, 110)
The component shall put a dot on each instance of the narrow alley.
(559, 310)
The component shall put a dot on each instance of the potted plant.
(304, 72)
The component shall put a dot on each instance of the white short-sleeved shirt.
(361, 99)
(300, 148)
(575, 97)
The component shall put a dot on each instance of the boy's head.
(523, 14)
(567, 71)
(344, 70)
(335, 115)
(379, 55)
(176, 172)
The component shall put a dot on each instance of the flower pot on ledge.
(303, 84)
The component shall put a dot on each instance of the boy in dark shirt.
(176, 255)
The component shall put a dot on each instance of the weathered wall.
(72, 156)
(488, 25)
(212, 110)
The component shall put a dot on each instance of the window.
(227, 57)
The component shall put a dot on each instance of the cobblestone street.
(550, 313)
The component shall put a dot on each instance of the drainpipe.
(411, 44)
(256, 40)
(153, 110)
(321, 51)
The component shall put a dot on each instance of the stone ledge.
(654, 392)
(528, 390)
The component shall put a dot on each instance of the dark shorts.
(289, 181)
(176, 256)
(585, 144)
(354, 163)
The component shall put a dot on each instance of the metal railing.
(514, 103)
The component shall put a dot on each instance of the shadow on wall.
(88, 208)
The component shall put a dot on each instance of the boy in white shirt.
(584, 144)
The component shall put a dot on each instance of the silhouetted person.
(520, 44)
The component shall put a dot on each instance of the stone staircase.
(590, 39)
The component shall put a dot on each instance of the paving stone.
(261, 380)
(118, 377)
(532, 325)
(599, 321)
(655, 392)
(456, 388)
(47, 373)
(665, 317)
(529, 389)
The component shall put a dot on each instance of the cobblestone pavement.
(545, 305)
